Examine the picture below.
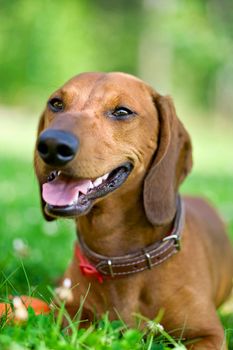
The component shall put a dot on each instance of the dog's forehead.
(92, 79)
(104, 85)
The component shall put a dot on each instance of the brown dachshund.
(111, 154)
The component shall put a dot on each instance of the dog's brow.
(95, 87)
(66, 94)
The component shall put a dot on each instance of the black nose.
(57, 147)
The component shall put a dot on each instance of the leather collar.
(146, 258)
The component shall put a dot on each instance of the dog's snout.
(57, 147)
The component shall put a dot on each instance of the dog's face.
(97, 135)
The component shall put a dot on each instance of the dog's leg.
(212, 339)
(210, 342)
(201, 326)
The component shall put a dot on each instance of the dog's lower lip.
(69, 211)
(85, 201)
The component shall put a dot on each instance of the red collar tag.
(85, 267)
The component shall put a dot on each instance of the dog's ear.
(171, 163)
(39, 130)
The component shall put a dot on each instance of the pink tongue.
(62, 192)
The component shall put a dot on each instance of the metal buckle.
(148, 258)
(110, 268)
(176, 240)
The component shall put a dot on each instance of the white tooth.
(104, 177)
(90, 185)
(59, 172)
(75, 201)
(97, 182)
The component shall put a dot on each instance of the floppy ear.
(39, 130)
(172, 162)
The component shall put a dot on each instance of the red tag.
(85, 267)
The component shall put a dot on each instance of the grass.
(44, 332)
(48, 247)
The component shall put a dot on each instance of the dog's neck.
(109, 229)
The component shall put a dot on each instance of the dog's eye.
(56, 105)
(121, 113)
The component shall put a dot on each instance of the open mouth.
(69, 197)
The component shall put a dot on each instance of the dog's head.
(110, 133)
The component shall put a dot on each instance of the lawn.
(48, 246)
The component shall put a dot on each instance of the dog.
(111, 154)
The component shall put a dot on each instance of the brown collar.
(146, 258)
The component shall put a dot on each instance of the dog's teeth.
(104, 177)
(100, 179)
(52, 176)
(58, 172)
(97, 182)
(90, 186)
(75, 201)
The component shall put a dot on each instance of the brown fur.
(191, 284)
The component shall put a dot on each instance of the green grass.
(49, 247)
(45, 333)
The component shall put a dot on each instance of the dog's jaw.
(70, 197)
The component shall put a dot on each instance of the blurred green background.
(182, 48)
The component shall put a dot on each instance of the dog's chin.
(85, 192)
